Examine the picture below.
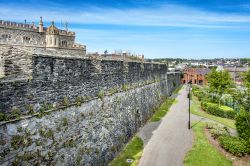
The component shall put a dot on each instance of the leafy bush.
(234, 145)
(227, 99)
(100, 95)
(221, 111)
(3, 117)
(217, 130)
(242, 125)
(66, 101)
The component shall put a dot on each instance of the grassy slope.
(203, 153)
(133, 150)
(196, 109)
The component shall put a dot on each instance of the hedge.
(242, 121)
(234, 145)
(221, 111)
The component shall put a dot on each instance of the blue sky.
(155, 28)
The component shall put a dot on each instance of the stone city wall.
(74, 111)
(49, 80)
(91, 133)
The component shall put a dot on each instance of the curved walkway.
(172, 139)
(167, 142)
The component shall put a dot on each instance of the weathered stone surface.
(45, 80)
(90, 134)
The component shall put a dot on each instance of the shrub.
(16, 113)
(17, 141)
(3, 117)
(217, 130)
(65, 101)
(30, 109)
(234, 145)
(78, 100)
(199, 94)
(100, 95)
(242, 125)
(221, 111)
(65, 121)
(124, 87)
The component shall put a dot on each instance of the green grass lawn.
(202, 152)
(161, 112)
(133, 150)
(196, 109)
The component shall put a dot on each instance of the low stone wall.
(89, 134)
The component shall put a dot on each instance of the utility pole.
(189, 104)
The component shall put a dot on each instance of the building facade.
(44, 37)
(195, 75)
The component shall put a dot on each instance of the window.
(64, 43)
(5, 36)
(26, 38)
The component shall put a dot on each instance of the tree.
(246, 97)
(219, 81)
(243, 118)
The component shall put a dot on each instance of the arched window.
(64, 43)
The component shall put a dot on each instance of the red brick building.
(196, 75)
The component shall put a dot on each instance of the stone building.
(196, 75)
(43, 37)
(19, 43)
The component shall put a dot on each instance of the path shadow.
(146, 132)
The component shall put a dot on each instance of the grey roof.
(202, 71)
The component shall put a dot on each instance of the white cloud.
(166, 15)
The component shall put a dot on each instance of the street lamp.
(189, 98)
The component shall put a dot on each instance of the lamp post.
(189, 98)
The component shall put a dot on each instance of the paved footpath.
(170, 142)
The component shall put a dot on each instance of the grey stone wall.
(89, 134)
(15, 62)
(49, 80)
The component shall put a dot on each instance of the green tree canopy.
(246, 103)
(219, 81)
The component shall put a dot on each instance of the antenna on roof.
(66, 26)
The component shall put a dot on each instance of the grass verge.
(196, 110)
(163, 109)
(202, 152)
(133, 150)
(177, 89)
(161, 112)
